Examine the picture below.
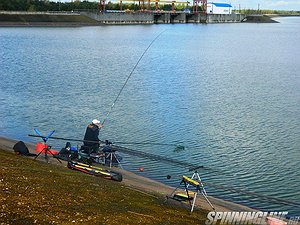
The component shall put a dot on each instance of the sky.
(266, 4)
(247, 4)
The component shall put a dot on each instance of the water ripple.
(233, 103)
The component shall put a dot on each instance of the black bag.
(22, 149)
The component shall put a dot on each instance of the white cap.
(95, 121)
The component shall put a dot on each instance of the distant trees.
(46, 5)
(266, 11)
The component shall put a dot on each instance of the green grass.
(44, 18)
(37, 192)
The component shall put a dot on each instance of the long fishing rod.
(112, 106)
(177, 146)
(64, 139)
(141, 154)
(145, 155)
(135, 153)
(130, 143)
(192, 167)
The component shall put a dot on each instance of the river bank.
(34, 192)
(141, 183)
(45, 19)
(258, 19)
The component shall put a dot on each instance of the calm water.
(229, 92)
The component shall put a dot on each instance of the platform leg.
(194, 200)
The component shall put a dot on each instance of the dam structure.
(161, 17)
(94, 18)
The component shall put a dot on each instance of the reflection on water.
(229, 92)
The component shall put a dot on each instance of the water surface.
(229, 92)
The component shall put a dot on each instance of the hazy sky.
(252, 4)
(267, 4)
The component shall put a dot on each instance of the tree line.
(46, 5)
(266, 11)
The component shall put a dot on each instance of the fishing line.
(254, 194)
(112, 106)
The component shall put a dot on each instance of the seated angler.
(91, 141)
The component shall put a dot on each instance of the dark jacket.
(91, 134)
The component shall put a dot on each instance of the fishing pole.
(65, 139)
(177, 146)
(133, 152)
(127, 79)
(192, 167)
(166, 159)
(130, 143)
(141, 154)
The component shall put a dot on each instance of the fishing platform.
(192, 187)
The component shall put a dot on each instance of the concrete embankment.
(162, 17)
(94, 19)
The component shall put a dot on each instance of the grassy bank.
(258, 19)
(45, 18)
(36, 192)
